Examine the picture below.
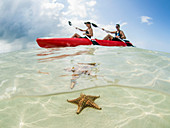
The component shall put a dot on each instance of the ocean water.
(133, 84)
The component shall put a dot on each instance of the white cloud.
(76, 8)
(91, 3)
(51, 9)
(29, 18)
(77, 12)
(24, 21)
(32, 18)
(146, 19)
(80, 8)
(123, 24)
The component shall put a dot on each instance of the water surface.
(133, 84)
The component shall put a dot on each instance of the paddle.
(94, 25)
(69, 22)
(93, 41)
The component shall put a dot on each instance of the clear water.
(133, 84)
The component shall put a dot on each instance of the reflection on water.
(60, 56)
(53, 51)
(78, 70)
(47, 73)
(48, 52)
(134, 86)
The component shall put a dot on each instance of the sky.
(145, 22)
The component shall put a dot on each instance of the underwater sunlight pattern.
(133, 84)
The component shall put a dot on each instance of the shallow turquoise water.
(133, 84)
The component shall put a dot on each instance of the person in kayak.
(88, 31)
(118, 34)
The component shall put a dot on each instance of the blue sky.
(145, 22)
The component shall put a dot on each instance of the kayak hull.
(62, 42)
(73, 42)
(111, 43)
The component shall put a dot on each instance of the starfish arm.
(81, 104)
(93, 98)
(75, 101)
(80, 108)
(92, 104)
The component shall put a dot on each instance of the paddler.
(88, 31)
(118, 34)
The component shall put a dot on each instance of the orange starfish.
(85, 101)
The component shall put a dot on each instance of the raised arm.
(80, 29)
(109, 31)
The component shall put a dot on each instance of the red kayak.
(72, 42)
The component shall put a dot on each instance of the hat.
(87, 23)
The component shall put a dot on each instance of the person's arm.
(80, 29)
(123, 35)
(109, 31)
(113, 32)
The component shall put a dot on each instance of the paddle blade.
(69, 22)
(94, 25)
